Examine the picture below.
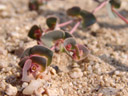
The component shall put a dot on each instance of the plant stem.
(123, 18)
(53, 47)
(75, 27)
(100, 6)
(65, 23)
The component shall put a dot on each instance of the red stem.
(75, 27)
(100, 6)
(53, 47)
(123, 18)
(65, 23)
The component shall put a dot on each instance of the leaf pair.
(53, 37)
(35, 59)
(36, 32)
(87, 17)
(76, 51)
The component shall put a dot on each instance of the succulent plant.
(84, 16)
(111, 4)
(34, 61)
(54, 39)
(76, 51)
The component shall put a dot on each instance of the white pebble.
(3, 64)
(117, 73)
(24, 85)
(76, 73)
(15, 34)
(2, 7)
(10, 90)
(33, 86)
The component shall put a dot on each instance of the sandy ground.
(104, 73)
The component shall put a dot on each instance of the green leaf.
(40, 61)
(35, 32)
(80, 50)
(67, 35)
(115, 3)
(83, 52)
(42, 51)
(26, 53)
(72, 42)
(49, 38)
(88, 18)
(51, 22)
(74, 11)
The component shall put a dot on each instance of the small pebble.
(2, 7)
(76, 73)
(3, 64)
(10, 90)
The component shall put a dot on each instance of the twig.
(123, 18)
(100, 6)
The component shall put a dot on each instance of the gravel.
(105, 73)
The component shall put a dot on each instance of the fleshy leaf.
(67, 35)
(75, 51)
(33, 5)
(40, 61)
(74, 11)
(115, 3)
(42, 51)
(88, 18)
(83, 52)
(35, 32)
(71, 43)
(26, 53)
(51, 22)
(22, 62)
(49, 38)
(26, 67)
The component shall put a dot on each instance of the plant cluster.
(35, 60)
(112, 5)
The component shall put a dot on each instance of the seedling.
(54, 39)
(36, 31)
(34, 61)
(80, 17)
(112, 4)
(76, 51)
